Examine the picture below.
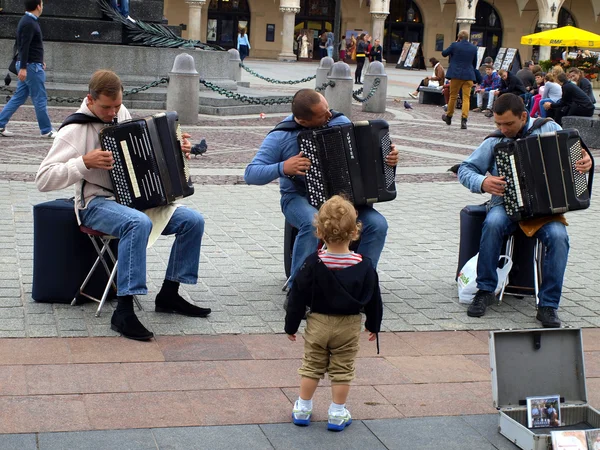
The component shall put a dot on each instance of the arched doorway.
(487, 29)
(225, 18)
(564, 18)
(315, 18)
(403, 24)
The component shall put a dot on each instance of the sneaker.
(447, 119)
(131, 19)
(482, 300)
(4, 132)
(477, 110)
(463, 124)
(337, 422)
(49, 135)
(300, 417)
(548, 316)
(411, 95)
(445, 107)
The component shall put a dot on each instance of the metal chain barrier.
(272, 80)
(245, 98)
(324, 86)
(355, 94)
(145, 87)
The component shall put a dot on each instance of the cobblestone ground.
(241, 271)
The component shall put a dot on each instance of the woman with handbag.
(436, 80)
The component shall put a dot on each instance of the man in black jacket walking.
(574, 102)
(31, 71)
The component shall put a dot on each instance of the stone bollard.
(340, 96)
(323, 70)
(183, 89)
(235, 71)
(376, 103)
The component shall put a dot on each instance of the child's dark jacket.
(335, 292)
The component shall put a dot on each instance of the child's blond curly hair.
(336, 221)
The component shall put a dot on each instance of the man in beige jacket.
(77, 159)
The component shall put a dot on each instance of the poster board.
(480, 55)
(403, 55)
(412, 55)
(512, 61)
(499, 58)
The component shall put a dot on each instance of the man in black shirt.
(574, 102)
(32, 75)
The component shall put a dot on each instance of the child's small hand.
(292, 337)
(372, 336)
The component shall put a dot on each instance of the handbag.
(467, 278)
(12, 67)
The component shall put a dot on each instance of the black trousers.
(360, 62)
(573, 110)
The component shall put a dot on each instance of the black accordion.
(349, 159)
(150, 169)
(541, 176)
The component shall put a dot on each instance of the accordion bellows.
(541, 176)
(150, 169)
(349, 159)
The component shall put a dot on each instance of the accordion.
(150, 169)
(541, 176)
(349, 159)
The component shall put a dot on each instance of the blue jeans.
(34, 86)
(553, 236)
(133, 227)
(543, 112)
(300, 214)
(330, 52)
(123, 9)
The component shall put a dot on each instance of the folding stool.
(101, 243)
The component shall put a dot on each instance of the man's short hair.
(463, 35)
(528, 63)
(575, 70)
(105, 82)
(488, 60)
(488, 66)
(509, 102)
(502, 72)
(562, 77)
(303, 102)
(31, 5)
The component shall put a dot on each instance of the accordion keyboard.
(338, 171)
(317, 193)
(507, 167)
(389, 171)
(119, 169)
(579, 179)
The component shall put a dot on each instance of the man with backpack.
(480, 174)
(279, 157)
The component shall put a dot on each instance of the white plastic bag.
(467, 278)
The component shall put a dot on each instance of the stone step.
(242, 109)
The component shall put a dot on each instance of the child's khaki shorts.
(330, 345)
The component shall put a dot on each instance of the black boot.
(125, 321)
(447, 119)
(168, 300)
(463, 123)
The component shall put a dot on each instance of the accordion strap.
(80, 118)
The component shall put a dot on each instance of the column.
(378, 25)
(545, 49)
(195, 18)
(464, 24)
(287, 44)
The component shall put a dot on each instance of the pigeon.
(454, 169)
(199, 149)
(407, 105)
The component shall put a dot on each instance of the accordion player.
(540, 174)
(349, 159)
(149, 167)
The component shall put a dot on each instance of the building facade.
(275, 28)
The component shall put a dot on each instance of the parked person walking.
(462, 72)
(31, 71)
(243, 45)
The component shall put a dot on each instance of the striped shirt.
(337, 261)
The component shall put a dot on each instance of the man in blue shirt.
(280, 157)
(479, 173)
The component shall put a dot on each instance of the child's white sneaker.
(337, 422)
(301, 417)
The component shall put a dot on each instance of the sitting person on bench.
(490, 84)
(435, 80)
(280, 157)
(76, 158)
(574, 102)
(514, 122)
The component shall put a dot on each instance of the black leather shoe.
(176, 304)
(463, 124)
(548, 316)
(447, 119)
(482, 300)
(127, 323)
